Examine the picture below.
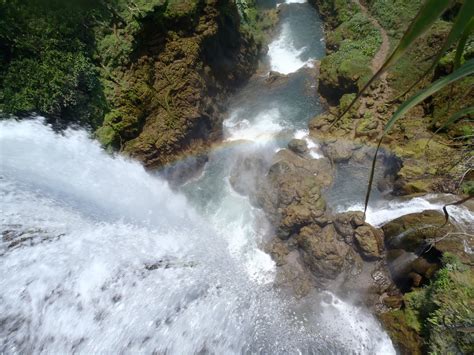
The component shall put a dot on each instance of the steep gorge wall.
(169, 100)
(149, 77)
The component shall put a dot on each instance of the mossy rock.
(354, 40)
(418, 232)
(180, 8)
(406, 339)
(341, 73)
(415, 231)
(438, 317)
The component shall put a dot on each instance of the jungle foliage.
(442, 312)
(46, 59)
(461, 29)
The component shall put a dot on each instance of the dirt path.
(384, 49)
(374, 102)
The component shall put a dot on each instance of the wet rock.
(246, 173)
(298, 146)
(416, 279)
(290, 194)
(298, 215)
(416, 232)
(402, 334)
(423, 267)
(346, 222)
(279, 251)
(322, 251)
(369, 240)
(393, 302)
(338, 152)
(408, 270)
(276, 78)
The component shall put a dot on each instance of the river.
(107, 258)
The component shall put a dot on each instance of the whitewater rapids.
(108, 259)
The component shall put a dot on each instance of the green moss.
(180, 8)
(46, 64)
(256, 22)
(443, 311)
(451, 100)
(395, 15)
(467, 188)
(418, 58)
(345, 100)
(353, 44)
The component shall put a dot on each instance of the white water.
(285, 58)
(313, 147)
(85, 281)
(295, 1)
(262, 128)
(382, 211)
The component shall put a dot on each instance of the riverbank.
(358, 37)
(357, 43)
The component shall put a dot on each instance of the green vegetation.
(256, 22)
(427, 15)
(443, 311)
(395, 15)
(46, 63)
(352, 44)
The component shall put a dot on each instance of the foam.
(112, 260)
(284, 57)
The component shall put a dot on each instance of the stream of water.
(109, 259)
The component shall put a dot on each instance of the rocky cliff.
(150, 77)
(167, 101)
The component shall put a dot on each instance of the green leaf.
(459, 28)
(462, 42)
(428, 14)
(465, 70)
(455, 117)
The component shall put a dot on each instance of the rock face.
(312, 246)
(415, 243)
(298, 146)
(369, 241)
(291, 192)
(419, 232)
(168, 101)
(322, 251)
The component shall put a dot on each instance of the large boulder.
(246, 173)
(417, 232)
(338, 152)
(298, 146)
(369, 241)
(322, 251)
(415, 244)
(291, 192)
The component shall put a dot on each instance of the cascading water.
(104, 257)
(100, 256)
